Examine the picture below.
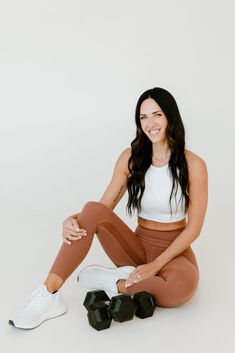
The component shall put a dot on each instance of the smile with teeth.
(154, 131)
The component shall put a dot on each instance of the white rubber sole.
(48, 316)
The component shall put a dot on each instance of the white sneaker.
(41, 306)
(101, 277)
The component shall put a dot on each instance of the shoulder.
(196, 164)
(127, 152)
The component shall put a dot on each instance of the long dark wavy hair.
(141, 152)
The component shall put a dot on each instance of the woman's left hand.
(142, 272)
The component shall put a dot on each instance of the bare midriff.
(146, 223)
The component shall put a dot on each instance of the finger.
(69, 237)
(66, 241)
(72, 237)
(69, 231)
(132, 280)
(81, 232)
(129, 281)
(75, 224)
(135, 280)
(129, 284)
(132, 275)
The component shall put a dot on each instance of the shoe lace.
(36, 298)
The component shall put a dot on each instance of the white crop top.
(155, 200)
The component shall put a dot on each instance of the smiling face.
(153, 121)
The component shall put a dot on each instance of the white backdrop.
(70, 76)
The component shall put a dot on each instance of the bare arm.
(118, 184)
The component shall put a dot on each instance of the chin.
(156, 138)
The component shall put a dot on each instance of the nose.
(151, 122)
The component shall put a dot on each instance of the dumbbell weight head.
(95, 296)
(145, 304)
(98, 316)
(122, 308)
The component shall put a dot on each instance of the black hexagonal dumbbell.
(145, 304)
(101, 310)
(96, 303)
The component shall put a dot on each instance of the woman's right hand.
(72, 231)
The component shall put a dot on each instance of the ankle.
(53, 283)
(121, 285)
(51, 290)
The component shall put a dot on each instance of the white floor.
(204, 324)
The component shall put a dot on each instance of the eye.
(143, 117)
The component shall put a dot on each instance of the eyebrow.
(153, 112)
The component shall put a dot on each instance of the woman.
(167, 185)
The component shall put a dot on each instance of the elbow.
(193, 231)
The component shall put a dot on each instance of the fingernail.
(79, 237)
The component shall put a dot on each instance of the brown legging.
(173, 285)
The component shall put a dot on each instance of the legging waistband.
(153, 234)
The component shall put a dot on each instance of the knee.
(91, 212)
(93, 206)
(179, 293)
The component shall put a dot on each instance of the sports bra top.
(155, 200)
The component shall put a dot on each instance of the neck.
(161, 151)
